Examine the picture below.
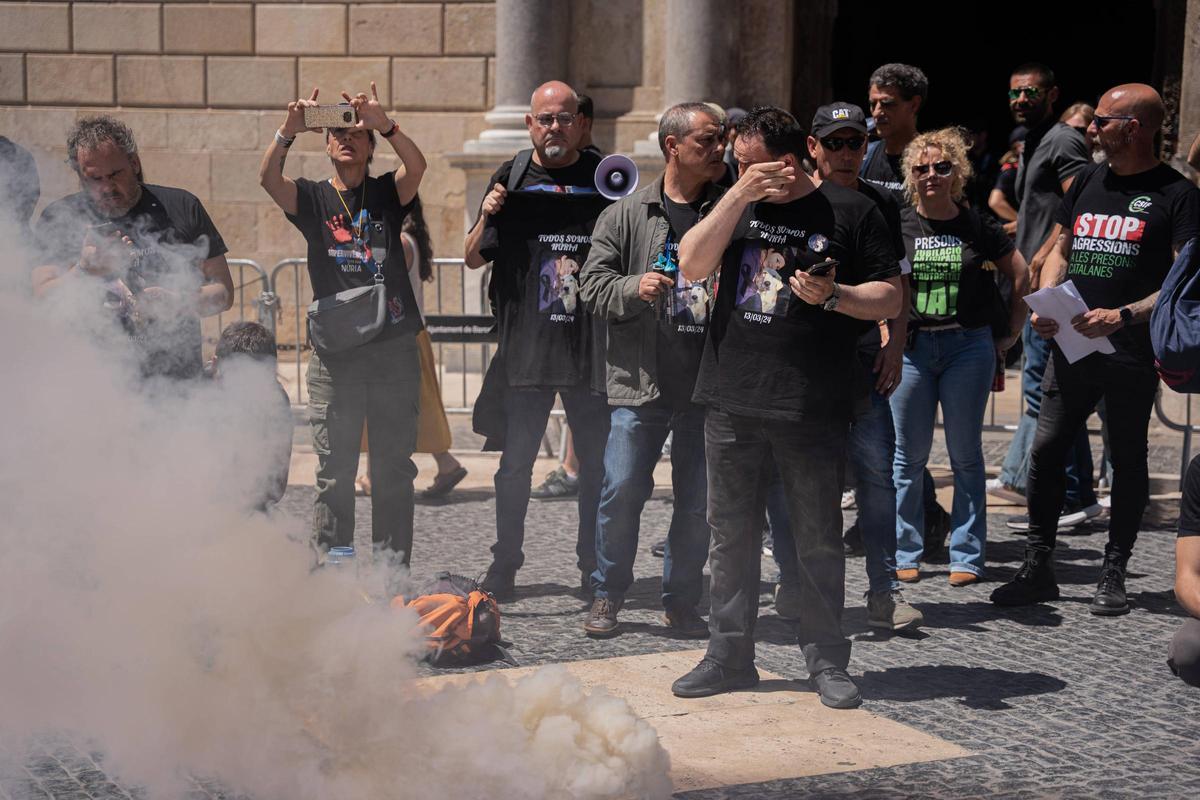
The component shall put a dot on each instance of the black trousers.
(742, 453)
(1069, 394)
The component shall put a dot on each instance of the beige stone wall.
(203, 86)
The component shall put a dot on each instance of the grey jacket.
(628, 236)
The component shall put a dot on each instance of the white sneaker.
(1105, 502)
(998, 488)
(848, 498)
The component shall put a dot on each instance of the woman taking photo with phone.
(959, 328)
(363, 321)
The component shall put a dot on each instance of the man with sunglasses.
(779, 387)
(659, 320)
(1123, 222)
(542, 206)
(836, 147)
(1053, 154)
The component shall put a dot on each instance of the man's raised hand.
(494, 200)
(763, 180)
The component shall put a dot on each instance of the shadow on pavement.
(982, 688)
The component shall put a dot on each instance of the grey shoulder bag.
(355, 316)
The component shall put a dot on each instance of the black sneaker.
(937, 528)
(709, 678)
(836, 688)
(686, 621)
(659, 549)
(500, 583)
(852, 543)
(601, 621)
(1110, 600)
(1034, 582)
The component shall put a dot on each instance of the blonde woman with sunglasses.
(959, 329)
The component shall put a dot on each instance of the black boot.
(1110, 591)
(1034, 582)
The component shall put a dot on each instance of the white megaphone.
(617, 176)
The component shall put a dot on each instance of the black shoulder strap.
(520, 165)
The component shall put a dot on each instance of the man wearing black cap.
(837, 144)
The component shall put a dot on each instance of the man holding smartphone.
(157, 252)
(779, 389)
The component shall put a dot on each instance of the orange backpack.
(461, 621)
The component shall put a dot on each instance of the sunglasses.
(564, 120)
(1102, 121)
(1032, 92)
(941, 169)
(855, 143)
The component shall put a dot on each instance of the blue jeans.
(635, 442)
(954, 368)
(527, 411)
(871, 450)
(1015, 470)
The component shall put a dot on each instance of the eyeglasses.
(1102, 121)
(1032, 92)
(941, 169)
(564, 119)
(855, 143)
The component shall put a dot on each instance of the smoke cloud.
(146, 610)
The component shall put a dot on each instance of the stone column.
(699, 40)
(700, 51)
(531, 48)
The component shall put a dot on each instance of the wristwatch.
(832, 303)
(1126, 316)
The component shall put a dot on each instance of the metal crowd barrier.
(464, 341)
(463, 333)
(263, 302)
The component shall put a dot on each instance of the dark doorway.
(968, 51)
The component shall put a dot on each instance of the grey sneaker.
(890, 611)
(787, 601)
(557, 484)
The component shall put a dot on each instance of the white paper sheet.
(1062, 304)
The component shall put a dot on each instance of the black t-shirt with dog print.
(537, 243)
(768, 353)
(682, 314)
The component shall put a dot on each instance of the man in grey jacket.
(657, 323)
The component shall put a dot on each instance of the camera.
(336, 116)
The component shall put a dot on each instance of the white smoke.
(143, 608)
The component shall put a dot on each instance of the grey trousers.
(379, 382)
(1183, 656)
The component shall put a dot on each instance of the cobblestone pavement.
(1052, 701)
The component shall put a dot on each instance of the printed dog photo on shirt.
(762, 278)
(558, 289)
(689, 302)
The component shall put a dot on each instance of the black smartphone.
(823, 267)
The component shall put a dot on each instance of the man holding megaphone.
(657, 325)
(535, 227)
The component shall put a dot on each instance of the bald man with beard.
(1123, 222)
(540, 210)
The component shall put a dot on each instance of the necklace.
(358, 237)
